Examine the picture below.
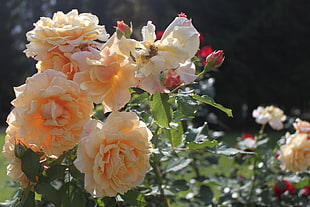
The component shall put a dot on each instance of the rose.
(50, 112)
(295, 154)
(64, 32)
(114, 155)
(178, 44)
(106, 76)
(270, 114)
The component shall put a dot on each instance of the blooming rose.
(114, 155)
(270, 114)
(64, 32)
(14, 170)
(178, 45)
(295, 154)
(50, 112)
(106, 76)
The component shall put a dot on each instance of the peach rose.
(106, 77)
(114, 155)
(295, 154)
(14, 170)
(50, 111)
(63, 31)
(59, 61)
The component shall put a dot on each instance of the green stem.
(159, 179)
(254, 177)
(155, 165)
(261, 131)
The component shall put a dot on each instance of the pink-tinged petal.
(187, 72)
(152, 84)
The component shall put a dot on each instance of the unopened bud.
(214, 60)
(123, 29)
(170, 79)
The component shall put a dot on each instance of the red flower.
(204, 52)
(307, 190)
(248, 136)
(281, 187)
(159, 34)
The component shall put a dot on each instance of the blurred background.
(266, 45)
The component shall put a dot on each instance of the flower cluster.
(80, 65)
(295, 154)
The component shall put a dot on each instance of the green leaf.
(206, 143)
(186, 107)
(161, 109)
(54, 172)
(208, 100)
(174, 134)
(106, 202)
(134, 198)
(178, 164)
(197, 135)
(180, 185)
(30, 162)
(48, 193)
(206, 194)
(72, 195)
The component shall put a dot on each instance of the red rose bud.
(214, 60)
(123, 29)
(281, 187)
(170, 79)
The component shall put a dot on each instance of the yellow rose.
(63, 31)
(295, 154)
(114, 155)
(50, 112)
(106, 77)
